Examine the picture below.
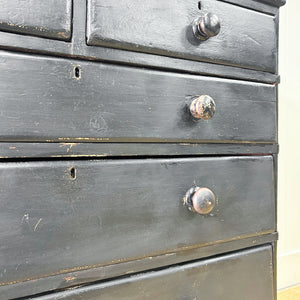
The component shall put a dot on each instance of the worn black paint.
(244, 275)
(124, 210)
(246, 38)
(48, 19)
(123, 104)
(90, 276)
(78, 48)
(57, 150)
(55, 215)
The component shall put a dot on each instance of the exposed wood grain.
(247, 274)
(49, 19)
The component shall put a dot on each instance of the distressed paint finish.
(81, 150)
(120, 210)
(246, 275)
(92, 275)
(247, 38)
(78, 48)
(48, 19)
(66, 224)
(109, 103)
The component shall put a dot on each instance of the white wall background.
(289, 146)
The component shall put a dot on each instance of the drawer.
(48, 19)
(244, 275)
(64, 216)
(52, 99)
(239, 36)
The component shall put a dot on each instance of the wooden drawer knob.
(205, 26)
(200, 199)
(203, 107)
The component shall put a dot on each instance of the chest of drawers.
(138, 145)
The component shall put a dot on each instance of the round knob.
(200, 199)
(206, 26)
(203, 107)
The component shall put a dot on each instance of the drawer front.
(63, 216)
(49, 19)
(244, 275)
(246, 38)
(51, 99)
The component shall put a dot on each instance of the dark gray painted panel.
(243, 275)
(247, 38)
(42, 100)
(66, 280)
(50, 19)
(121, 210)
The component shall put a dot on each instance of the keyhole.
(73, 173)
(77, 72)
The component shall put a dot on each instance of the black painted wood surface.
(68, 223)
(244, 275)
(247, 38)
(79, 150)
(93, 275)
(61, 219)
(78, 48)
(49, 19)
(41, 99)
